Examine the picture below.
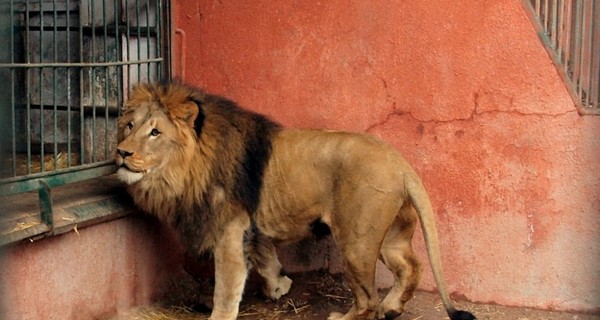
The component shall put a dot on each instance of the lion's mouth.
(126, 167)
(129, 176)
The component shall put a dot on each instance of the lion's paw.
(335, 316)
(350, 315)
(281, 288)
(388, 313)
(221, 317)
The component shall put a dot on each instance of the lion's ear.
(187, 112)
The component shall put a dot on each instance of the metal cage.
(65, 69)
(570, 31)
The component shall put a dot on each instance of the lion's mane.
(221, 156)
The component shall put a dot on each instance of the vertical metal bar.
(159, 30)
(118, 54)
(45, 199)
(41, 88)
(588, 58)
(582, 52)
(576, 44)
(595, 86)
(537, 9)
(566, 43)
(553, 24)
(558, 12)
(68, 84)
(106, 79)
(92, 79)
(545, 15)
(54, 86)
(12, 91)
(127, 41)
(81, 92)
(13, 124)
(138, 38)
(148, 37)
(28, 80)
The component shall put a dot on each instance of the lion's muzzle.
(125, 171)
(124, 153)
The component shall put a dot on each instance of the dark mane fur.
(254, 132)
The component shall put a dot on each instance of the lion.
(236, 184)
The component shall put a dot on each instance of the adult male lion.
(233, 182)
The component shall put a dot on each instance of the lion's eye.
(154, 132)
(130, 125)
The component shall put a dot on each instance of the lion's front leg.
(230, 271)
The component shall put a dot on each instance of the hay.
(289, 309)
(49, 163)
(21, 226)
(187, 299)
(161, 313)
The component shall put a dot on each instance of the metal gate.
(65, 69)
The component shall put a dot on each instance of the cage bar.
(40, 86)
(570, 31)
(54, 88)
(106, 73)
(28, 92)
(13, 124)
(92, 77)
(68, 88)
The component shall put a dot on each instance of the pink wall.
(465, 90)
(106, 268)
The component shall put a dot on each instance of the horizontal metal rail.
(78, 64)
(32, 182)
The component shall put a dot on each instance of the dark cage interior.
(66, 67)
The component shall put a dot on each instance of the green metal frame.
(93, 30)
(34, 182)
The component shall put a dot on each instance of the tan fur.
(362, 188)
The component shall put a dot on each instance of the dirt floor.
(313, 296)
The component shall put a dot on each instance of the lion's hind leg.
(398, 256)
(359, 272)
(263, 256)
(359, 258)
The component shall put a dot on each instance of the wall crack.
(474, 113)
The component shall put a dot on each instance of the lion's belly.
(290, 204)
(314, 174)
(289, 225)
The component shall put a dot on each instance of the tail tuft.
(391, 315)
(461, 315)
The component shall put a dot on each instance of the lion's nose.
(124, 153)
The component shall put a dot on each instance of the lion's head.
(155, 131)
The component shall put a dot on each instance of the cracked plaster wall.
(464, 89)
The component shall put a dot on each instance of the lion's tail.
(422, 204)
